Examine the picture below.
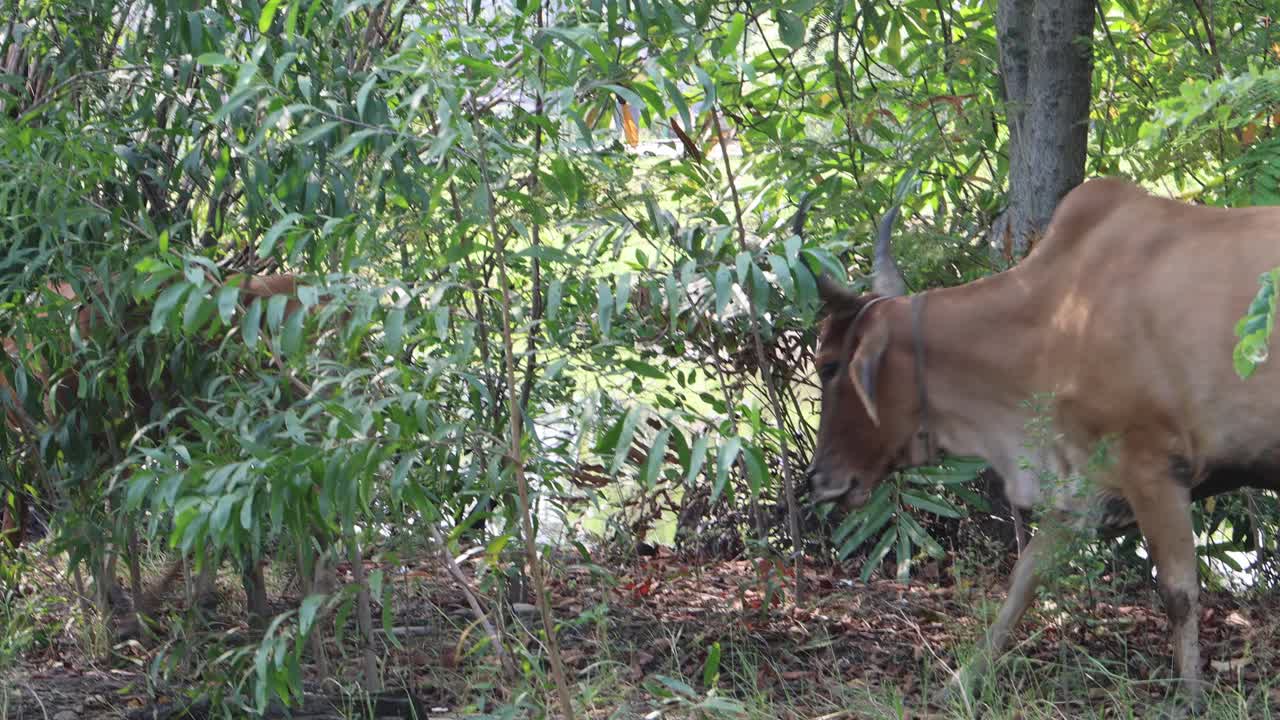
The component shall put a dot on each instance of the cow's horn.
(886, 278)
(832, 292)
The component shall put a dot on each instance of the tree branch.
(517, 462)
(451, 564)
(766, 372)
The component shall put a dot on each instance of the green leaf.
(353, 140)
(195, 313)
(782, 274)
(221, 513)
(393, 331)
(931, 503)
(711, 668)
(904, 555)
(261, 660)
(212, 59)
(275, 312)
(278, 70)
(878, 552)
(921, 537)
(825, 261)
(235, 102)
(291, 338)
(725, 706)
(553, 299)
(806, 285)
(846, 526)
(677, 686)
(608, 442)
(759, 289)
(165, 305)
(677, 99)
(140, 486)
(315, 133)
(724, 287)
(1244, 367)
(307, 612)
(623, 446)
(697, 458)
(251, 323)
(362, 97)
(645, 369)
(742, 263)
(657, 457)
(725, 458)
(228, 296)
(623, 293)
(246, 513)
(1256, 327)
(733, 35)
(268, 15)
(877, 512)
(791, 28)
(604, 307)
(291, 20)
(757, 475)
(269, 240)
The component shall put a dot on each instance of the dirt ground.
(659, 617)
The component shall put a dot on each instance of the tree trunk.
(1046, 63)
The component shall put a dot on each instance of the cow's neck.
(980, 344)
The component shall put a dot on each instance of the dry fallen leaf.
(1235, 619)
(1224, 666)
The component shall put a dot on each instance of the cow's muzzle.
(839, 487)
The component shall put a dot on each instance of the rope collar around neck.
(917, 336)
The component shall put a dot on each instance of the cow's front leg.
(1163, 508)
(1027, 575)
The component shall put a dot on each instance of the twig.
(531, 350)
(730, 408)
(364, 615)
(49, 96)
(517, 462)
(766, 373)
(142, 231)
(30, 431)
(372, 33)
(1210, 36)
(452, 565)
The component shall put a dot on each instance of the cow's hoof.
(1188, 703)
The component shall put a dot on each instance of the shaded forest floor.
(658, 635)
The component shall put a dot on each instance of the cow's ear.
(865, 365)
(834, 296)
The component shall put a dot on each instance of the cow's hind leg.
(1162, 506)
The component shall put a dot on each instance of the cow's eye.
(828, 371)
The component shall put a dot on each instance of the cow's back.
(1141, 296)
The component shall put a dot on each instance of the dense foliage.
(603, 220)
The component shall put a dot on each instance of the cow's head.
(870, 408)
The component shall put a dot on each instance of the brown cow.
(1122, 317)
(13, 521)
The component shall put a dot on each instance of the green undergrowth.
(1094, 646)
